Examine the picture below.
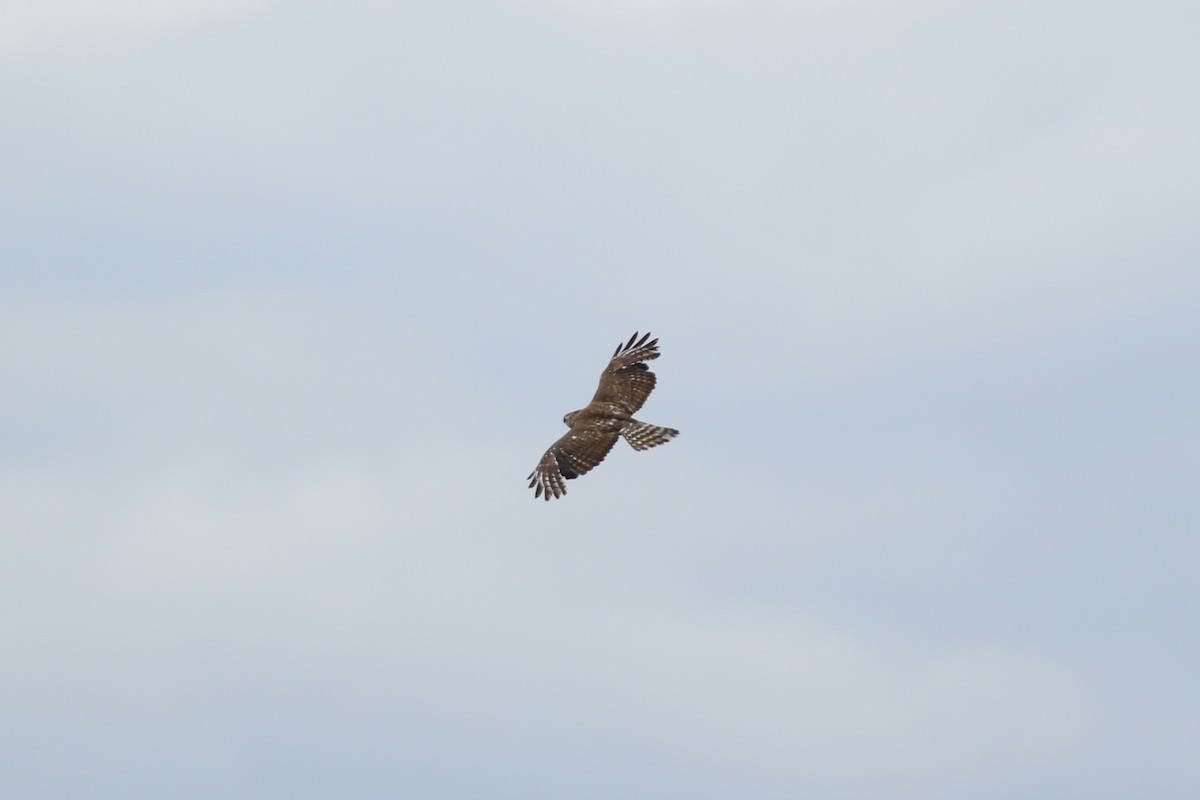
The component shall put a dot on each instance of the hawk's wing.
(627, 381)
(579, 449)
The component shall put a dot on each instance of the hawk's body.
(624, 386)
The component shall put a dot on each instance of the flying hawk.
(624, 386)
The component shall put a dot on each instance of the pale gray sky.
(294, 295)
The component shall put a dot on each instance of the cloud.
(29, 27)
(207, 602)
(651, 8)
(290, 322)
(222, 586)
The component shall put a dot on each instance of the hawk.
(624, 386)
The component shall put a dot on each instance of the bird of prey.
(624, 386)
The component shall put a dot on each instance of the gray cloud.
(293, 301)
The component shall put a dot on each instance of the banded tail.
(643, 435)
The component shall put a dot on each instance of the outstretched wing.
(574, 454)
(627, 381)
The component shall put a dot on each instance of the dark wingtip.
(625, 345)
(634, 342)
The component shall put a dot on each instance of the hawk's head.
(569, 419)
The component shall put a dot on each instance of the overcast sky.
(294, 294)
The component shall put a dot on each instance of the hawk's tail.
(643, 435)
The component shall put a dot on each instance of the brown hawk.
(624, 386)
